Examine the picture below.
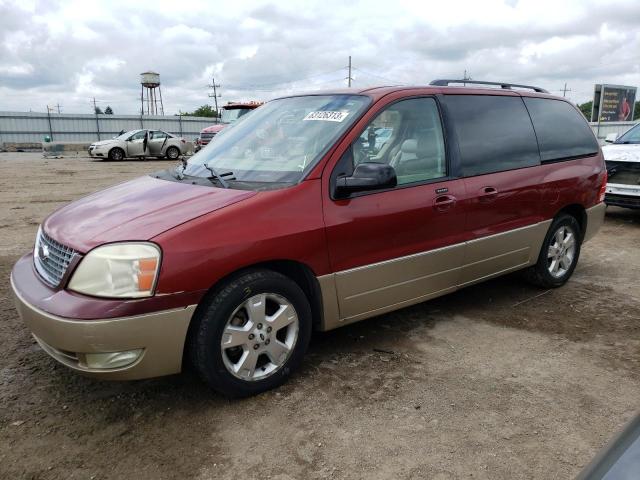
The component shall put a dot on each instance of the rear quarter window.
(494, 133)
(562, 131)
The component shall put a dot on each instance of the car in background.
(230, 114)
(140, 144)
(622, 156)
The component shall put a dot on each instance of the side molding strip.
(370, 290)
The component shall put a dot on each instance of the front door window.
(408, 136)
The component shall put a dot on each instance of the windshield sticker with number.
(327, 116)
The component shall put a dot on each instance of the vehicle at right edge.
(622, 156)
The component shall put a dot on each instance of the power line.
(386, 79)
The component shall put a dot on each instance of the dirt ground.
(497, 381)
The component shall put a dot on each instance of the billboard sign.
(613, 103)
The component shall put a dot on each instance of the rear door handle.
(488, 194)
(443, 203)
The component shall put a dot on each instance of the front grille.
(626, 201)
(51, 259)
(207, 136)
(625, 173)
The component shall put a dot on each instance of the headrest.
(409, 146)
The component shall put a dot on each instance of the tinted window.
(494, 133)
(562, 131)
(408, 136)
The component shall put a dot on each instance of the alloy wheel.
(562, 251)
(259, 336)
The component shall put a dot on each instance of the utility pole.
(349, 77)
(58, 106)
(95, 111)
(565, 90)
(215, 95)
(465, 77)
(49, 118)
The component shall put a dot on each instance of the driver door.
(137, 144)
(402, 245)
(157, 140)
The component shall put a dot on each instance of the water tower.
(150, 81)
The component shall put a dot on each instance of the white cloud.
(69, 51)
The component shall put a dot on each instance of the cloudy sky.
(68, 52)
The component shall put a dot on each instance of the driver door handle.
(442, 203)
(488, 194)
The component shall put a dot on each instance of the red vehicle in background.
(231, 112)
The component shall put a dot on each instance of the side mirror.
(612, 137)
(366, 176)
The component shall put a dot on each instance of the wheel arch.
(117, 147)
(578, 212)
(297, 271)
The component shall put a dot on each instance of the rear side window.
(562, 131)
(494, 133)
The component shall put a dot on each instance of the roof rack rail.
(446, 82)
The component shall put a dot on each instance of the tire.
(265, 337)
(557, 260)
(173, 153)
(116, 154)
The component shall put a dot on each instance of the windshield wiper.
(218, 176)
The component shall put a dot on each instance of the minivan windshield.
(279, 142)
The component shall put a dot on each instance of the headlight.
(118, 270)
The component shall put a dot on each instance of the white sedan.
(622, 156)
(140, 143)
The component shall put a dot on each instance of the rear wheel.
(251, 333)
(116, 154)
(559, 254)
(173, 153)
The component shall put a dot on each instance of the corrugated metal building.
(24, 127)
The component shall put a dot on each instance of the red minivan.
(316, 211)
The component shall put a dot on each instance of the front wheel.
(116, 154)
(251, 333)
(559, 254)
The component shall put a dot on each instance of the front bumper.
(622, 195)
(96, 152)
(160, 336)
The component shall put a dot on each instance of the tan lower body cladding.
(370, 290)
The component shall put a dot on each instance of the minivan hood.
(138, 209)
(622, 152)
